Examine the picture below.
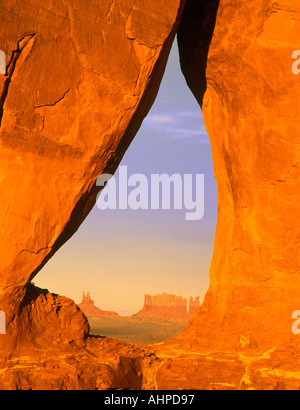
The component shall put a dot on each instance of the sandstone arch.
(85, 108)
(253, 125)
(254, 278)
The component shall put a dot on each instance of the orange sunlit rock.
(249, 97)
(81, 77)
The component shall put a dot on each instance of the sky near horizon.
(119, 255)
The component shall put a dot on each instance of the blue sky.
(118, 255)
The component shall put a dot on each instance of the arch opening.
(120, 255)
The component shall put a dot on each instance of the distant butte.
(88, 307)
(170, 307)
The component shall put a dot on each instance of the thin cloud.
(178, 125)
(158, 119)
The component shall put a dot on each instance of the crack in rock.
(10, 68)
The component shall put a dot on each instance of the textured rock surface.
(165, 306)
(88, 307)
(103, 363)
(80, 79)
(248, 95)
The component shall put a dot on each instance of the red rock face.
(81, 77)
(170, 307)
(248, 94)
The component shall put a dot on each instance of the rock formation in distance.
(193, 306)
(90, 310)
(169, 307)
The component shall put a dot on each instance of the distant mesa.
(90, 310)
(170, 307)
(162, 306)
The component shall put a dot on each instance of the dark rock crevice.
(194, 37)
